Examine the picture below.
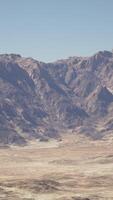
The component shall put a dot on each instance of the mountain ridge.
(40, 100)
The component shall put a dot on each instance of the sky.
(48, 30)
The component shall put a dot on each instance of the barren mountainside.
(42, 100)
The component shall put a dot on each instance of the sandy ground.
(65, 170)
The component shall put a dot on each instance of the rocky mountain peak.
(39, 100)
(104, 54)
(9, 57)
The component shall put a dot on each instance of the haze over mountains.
(42, 100)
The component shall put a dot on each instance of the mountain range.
(45, 100)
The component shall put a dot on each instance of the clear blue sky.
(51, 29)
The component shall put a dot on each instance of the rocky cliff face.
(39, 100)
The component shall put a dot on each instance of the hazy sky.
(52, 29)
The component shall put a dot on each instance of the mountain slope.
(39, 100)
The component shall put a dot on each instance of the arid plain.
(75, 168)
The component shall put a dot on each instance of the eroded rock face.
(38, 100)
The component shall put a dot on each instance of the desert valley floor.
(64, 170)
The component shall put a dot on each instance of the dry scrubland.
(72, 169)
